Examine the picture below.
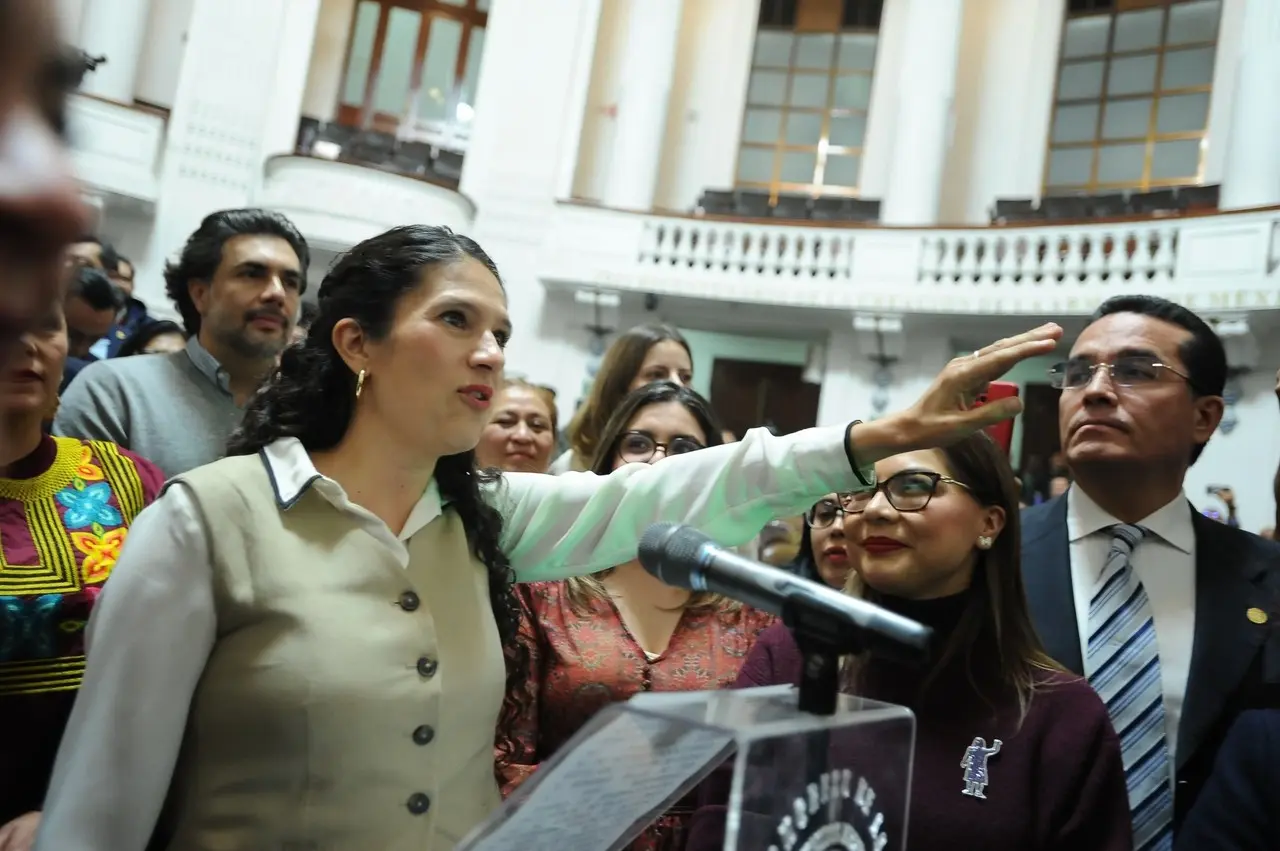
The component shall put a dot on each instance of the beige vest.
(333, 714)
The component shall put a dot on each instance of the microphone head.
(671, 552)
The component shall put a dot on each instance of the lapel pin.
(1256, 615)
(974, 764)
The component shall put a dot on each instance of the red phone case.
(1002, 432)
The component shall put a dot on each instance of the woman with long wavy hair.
(938, 541)
(601, 639)
(304, 644)
(639, 356)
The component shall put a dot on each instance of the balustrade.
(1214, 261)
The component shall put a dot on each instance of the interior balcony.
(115, 149)
(1207, 261)
(337, 204)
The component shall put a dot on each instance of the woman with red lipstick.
(330, 616)
(824, 549)
(938, 541)
(600, 639)
(65, 508)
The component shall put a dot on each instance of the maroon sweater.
(1056, 785)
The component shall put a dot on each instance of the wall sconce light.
(883, 343)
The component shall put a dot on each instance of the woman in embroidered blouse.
(938, 541)
(600, 639)
(328, 608)
(642, 355)
(65, 508)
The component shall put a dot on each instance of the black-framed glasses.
(640, 447)
(827, 511)
(1127, 371)
(907, 491)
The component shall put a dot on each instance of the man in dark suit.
(1239, 809)
(1142, 395)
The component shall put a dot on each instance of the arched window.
(1131, 108)
(809, 96)
(412, 67)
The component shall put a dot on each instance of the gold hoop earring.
(359, 383)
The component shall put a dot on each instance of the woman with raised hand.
(304, 642)
(1010, 750)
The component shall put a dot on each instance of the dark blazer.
(1239, 809)
(1235, 663)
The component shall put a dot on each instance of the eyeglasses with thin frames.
(1129, 371)
(639, 447)
(908, 491)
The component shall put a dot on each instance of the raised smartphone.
(1002, 432)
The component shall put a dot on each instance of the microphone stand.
(822, 640)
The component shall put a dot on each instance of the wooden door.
(747, 394)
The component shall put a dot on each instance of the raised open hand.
(946, 412)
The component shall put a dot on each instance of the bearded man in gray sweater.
(238, 285)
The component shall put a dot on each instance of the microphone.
(684, 557)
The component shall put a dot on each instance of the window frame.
(364, 116)
(816, 188)
(1153, 136)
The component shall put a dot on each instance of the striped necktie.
(1123, 667)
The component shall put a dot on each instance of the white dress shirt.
(1165, 563)
(157, 620)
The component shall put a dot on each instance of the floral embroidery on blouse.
(86, 469)
(101, 549)
(61, 532)
(88, 505)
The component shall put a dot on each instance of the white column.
(648, 67)
(708, 97)
(117, 30)
(226, 117)
(926, 99)
(1251, 169)
(586, 25)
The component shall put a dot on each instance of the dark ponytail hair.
(312, 395)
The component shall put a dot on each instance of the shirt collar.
(208, 365)
(1171, 523)
(292, 473)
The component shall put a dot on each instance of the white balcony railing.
(338, 204)
(1212, 262)
(115, 148)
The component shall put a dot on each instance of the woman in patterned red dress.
(65, 508)
(601, 639)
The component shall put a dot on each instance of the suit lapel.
(1227, 586)
(1047, 576)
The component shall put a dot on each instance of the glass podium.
(782, 779)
